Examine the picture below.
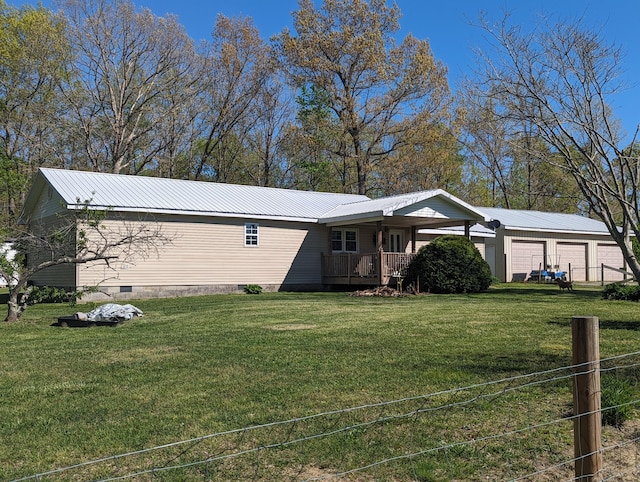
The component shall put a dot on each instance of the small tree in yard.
(450, 264)
(78, 237)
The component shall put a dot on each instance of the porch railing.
(364, 268)
(395, 264)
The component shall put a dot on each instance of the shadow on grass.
(4, 298)
(604, 324)
(620, 325)
(536, 290)
(491, 366)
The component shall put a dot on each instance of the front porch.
(366, 269)
(372, 243)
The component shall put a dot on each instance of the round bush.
(450, 264)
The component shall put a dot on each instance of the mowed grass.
(204, 365)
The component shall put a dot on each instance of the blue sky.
(447, 25)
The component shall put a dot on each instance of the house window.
(344, 240)
(251, 234)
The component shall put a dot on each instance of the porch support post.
(414, 232)
(467, 229)
(379, 247)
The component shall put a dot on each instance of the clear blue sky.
(446, 24)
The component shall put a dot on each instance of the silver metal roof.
(542, 221)
(152, 194)
(159, 195)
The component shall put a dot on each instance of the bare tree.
(235, 66)
(561, 79)
(126, 63)
(485, 136)
(267, 163)
(81, 236)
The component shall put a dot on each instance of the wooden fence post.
(587, 428)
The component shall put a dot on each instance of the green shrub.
(617, 395)
(450, 264)
(253, 289)
(51, 294)
(617, 291)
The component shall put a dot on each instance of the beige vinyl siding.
(211, 251)
(48, 207)
(433, 208)
(49, 204)
(62, 276)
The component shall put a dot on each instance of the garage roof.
(547, 222)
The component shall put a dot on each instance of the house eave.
(211, 214)
(352, 219)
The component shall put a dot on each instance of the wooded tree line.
(337, 104)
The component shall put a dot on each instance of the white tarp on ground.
(111, 312)
(6, 250)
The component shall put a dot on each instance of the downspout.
(414, 231)
(379, 250)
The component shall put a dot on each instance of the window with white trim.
(251, 234)
(344, 240)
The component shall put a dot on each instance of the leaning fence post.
(586, 398)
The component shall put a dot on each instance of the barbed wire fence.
(486, 431)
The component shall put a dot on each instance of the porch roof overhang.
(425, 209)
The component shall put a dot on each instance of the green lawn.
(203, 365)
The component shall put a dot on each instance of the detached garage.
(528, 240)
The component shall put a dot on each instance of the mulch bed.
(384, 291)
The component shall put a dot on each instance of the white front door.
(396, 242)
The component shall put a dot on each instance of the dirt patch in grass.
(293, 326)
(620, 457)
(382, 291)
(132, 355)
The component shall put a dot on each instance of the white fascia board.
(474, 234)
(560, 231)
(351, 218)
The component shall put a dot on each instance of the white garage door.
(574, 255)
(610, 255)
(526, 256)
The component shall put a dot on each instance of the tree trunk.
(629, 256)
(14, 311)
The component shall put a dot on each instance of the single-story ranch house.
(224, 236)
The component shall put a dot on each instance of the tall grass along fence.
(486, 431)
